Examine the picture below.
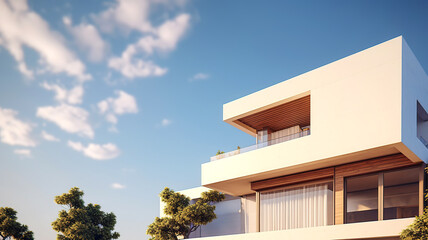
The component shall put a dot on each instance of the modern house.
(339, 153)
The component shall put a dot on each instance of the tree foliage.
(219, 152)
(10, 228)
(83, 222)
(419, 228)
(183, 218)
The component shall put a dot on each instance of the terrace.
(269, 140)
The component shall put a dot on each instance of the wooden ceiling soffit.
(374, 165)
(296, 112)
(292, 179)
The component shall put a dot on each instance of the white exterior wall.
(355, 114)
(415, 88)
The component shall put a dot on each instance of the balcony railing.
(271, 142)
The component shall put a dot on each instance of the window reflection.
(401, 193)
(362, 198)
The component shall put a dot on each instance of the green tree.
(83, 222)
(419, 228)
(219, 152)
(10, 228)
(183, 218)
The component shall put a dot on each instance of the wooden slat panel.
(380, 200)
(257, 211)
(292, 179)
(422, 189)
(289, 114)
(374, 165)
(339, 197)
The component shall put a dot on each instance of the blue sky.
(123, 98)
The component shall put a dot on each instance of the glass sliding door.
(305, 206)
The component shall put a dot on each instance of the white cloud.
(165, 37)
(20, 26)
(96, 151)
(111, 107)
(88, 39)
(131, 14)
(23, 152)
(72, 96)
(14, 131)
(166, 122)
(111, 118)
(69, 118)
(76, 146)
(134, 15)
(49, 137)
(117, 186)
(199, 76)
(132, 68)
(169, 34)
(164, 40)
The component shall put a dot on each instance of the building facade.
(339, 153)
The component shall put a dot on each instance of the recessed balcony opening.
(281, 123)
(286, 115)
(422, 124)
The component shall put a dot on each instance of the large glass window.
(395, 193)
(401, 193)
(362, 198)
(306, 206)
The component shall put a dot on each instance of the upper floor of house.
(370, 104)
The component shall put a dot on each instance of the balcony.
(272, 140)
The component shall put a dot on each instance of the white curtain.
(248, 213)
(285, 134)
(294, 208)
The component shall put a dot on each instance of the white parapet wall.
(367, 230)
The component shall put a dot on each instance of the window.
(298, 207)
(422, 124)
(401, 193)
(362, 198)
(384, 195)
